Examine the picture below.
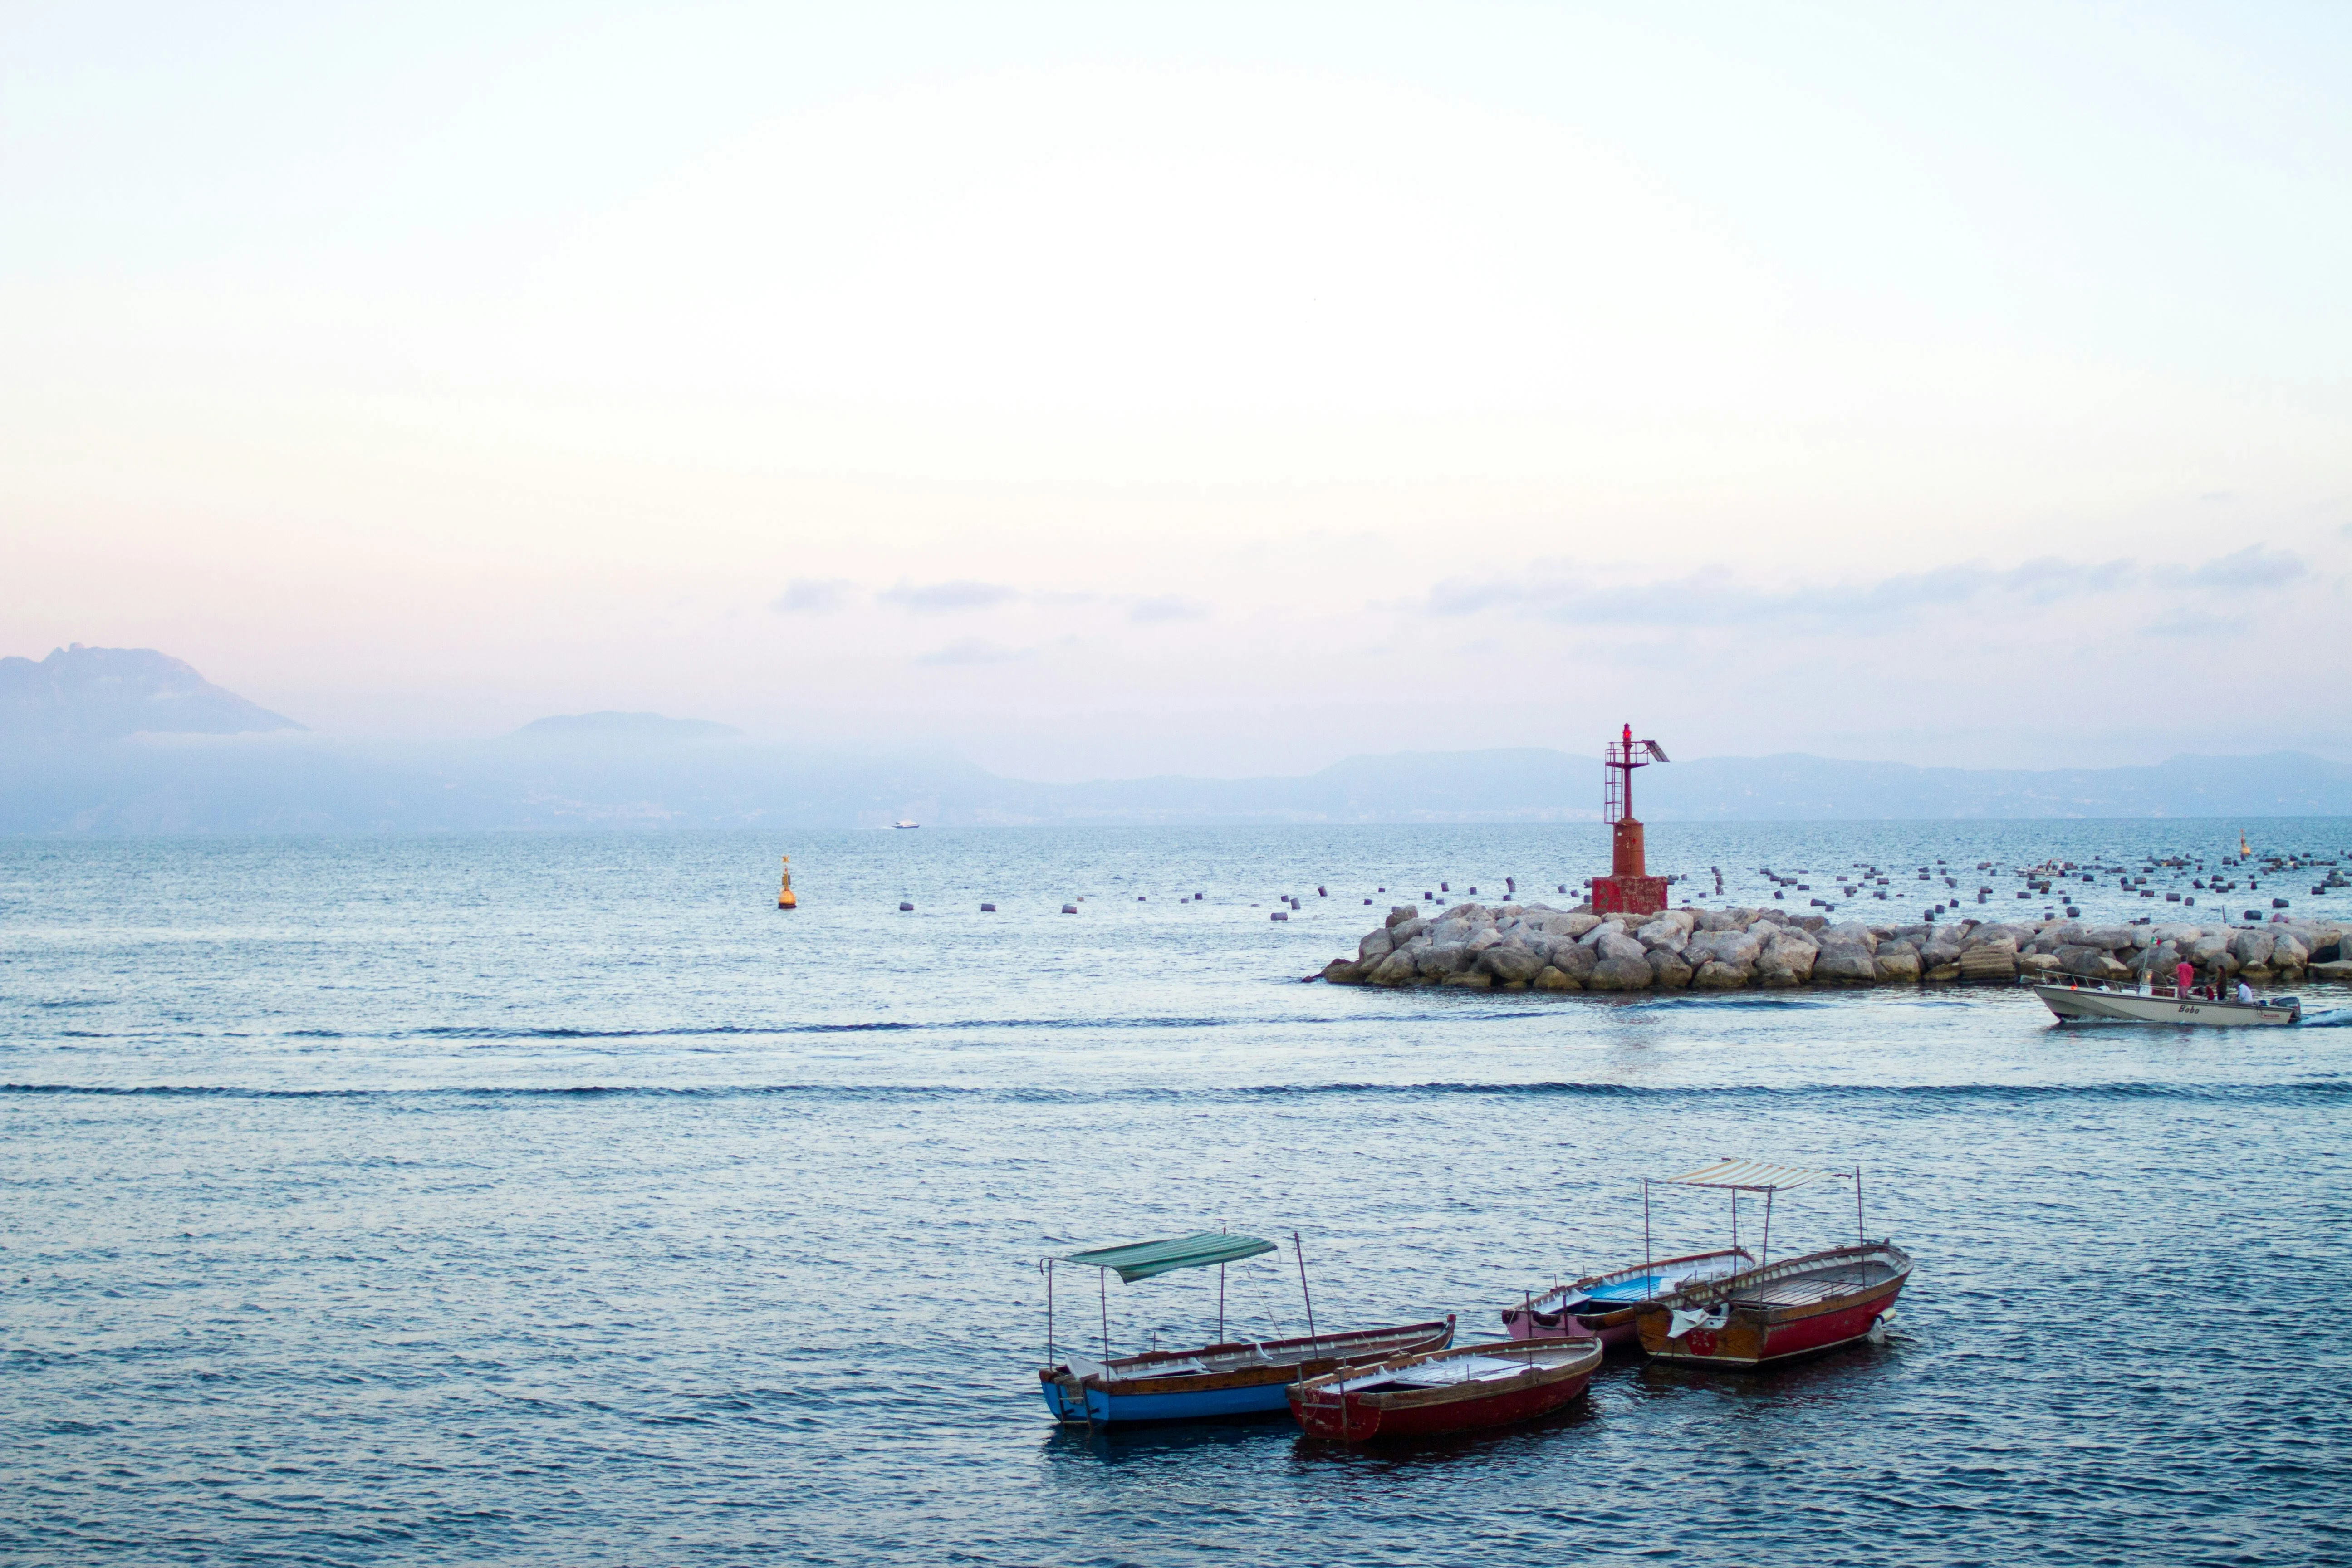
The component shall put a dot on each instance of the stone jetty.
(1533, 947)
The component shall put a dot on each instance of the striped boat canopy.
(1142, 1260)
(1752, 1176)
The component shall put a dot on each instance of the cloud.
(1715, 597)
(940, 597)
(2253, 567)
(1553, 591)
(971, 650)
(812, 597)
(1167, 608)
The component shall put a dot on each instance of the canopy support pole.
(1861, 1236)
(1765, 1262)
(1312, 1339)
(1645, 1227)
(1221, 1303)
(1102, 1282)
(1735, 1219)
(1049, 1314)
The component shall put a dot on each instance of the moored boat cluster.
(1523, 947)
(1726, 1309)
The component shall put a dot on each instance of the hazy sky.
(1104, 390)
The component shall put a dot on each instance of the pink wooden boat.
(1602, 1306)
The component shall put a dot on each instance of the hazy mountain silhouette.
(85, 694)
(128, 740)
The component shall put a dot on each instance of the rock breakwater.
(1534, 947)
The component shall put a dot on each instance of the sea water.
(538, 1199)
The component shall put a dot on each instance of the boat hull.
(1799, 1308)
(1556, 1375)
(2087, 1003)
(1139, 1389)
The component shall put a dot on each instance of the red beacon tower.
(1629, 888)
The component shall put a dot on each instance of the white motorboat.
(902, 822)
(2093, 1001)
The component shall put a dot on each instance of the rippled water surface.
(505, 1199)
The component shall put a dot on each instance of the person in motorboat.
(2245, 994)
(2184, 979)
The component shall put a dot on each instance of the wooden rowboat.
(1222, 1381)
(1798, 1307)
(1217, 1381)
(1603, 1306)
(1460, 1390)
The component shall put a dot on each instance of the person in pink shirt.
(2184, 979)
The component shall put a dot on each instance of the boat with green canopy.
(1218, 1381)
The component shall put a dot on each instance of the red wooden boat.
(1459, 1390)
(1777, 1311)
(1796, 1307)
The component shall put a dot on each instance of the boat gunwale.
(1121, 1378)
(1724, 1292)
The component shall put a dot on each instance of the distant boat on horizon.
(902, 822)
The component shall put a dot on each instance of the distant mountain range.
(129, 741)
(85, 694)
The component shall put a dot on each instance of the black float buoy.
(988, 908)
(904, 907)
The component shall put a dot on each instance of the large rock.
(1437, 961)
(1406, 930)
(1730, 946)
(1844, 964)
(1897, 963)
(1551, 979)
(2037, 963)
(1574, 959)
(1340, 971)
(1715, 976)
(1511, 963)
(1614, 945)
(1787, 960)
(1396, 968)
(1375, 946)
(2288, 952)
(2115, 939)
(2252, 948)
(1400, 914)
(2092, 964)
(1992, 934)
(1856, 932)
(1620, 975)
(1989, 961)
(1667, 969)
(1669, 929)
(2332, 969)
(1473, 980)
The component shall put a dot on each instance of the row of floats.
(1726, 1309)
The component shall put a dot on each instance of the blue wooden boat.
(1228, 1379)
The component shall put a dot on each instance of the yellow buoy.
(787, 898)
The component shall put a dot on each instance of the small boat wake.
(2327, 1018)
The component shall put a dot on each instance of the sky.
(1112, 390)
